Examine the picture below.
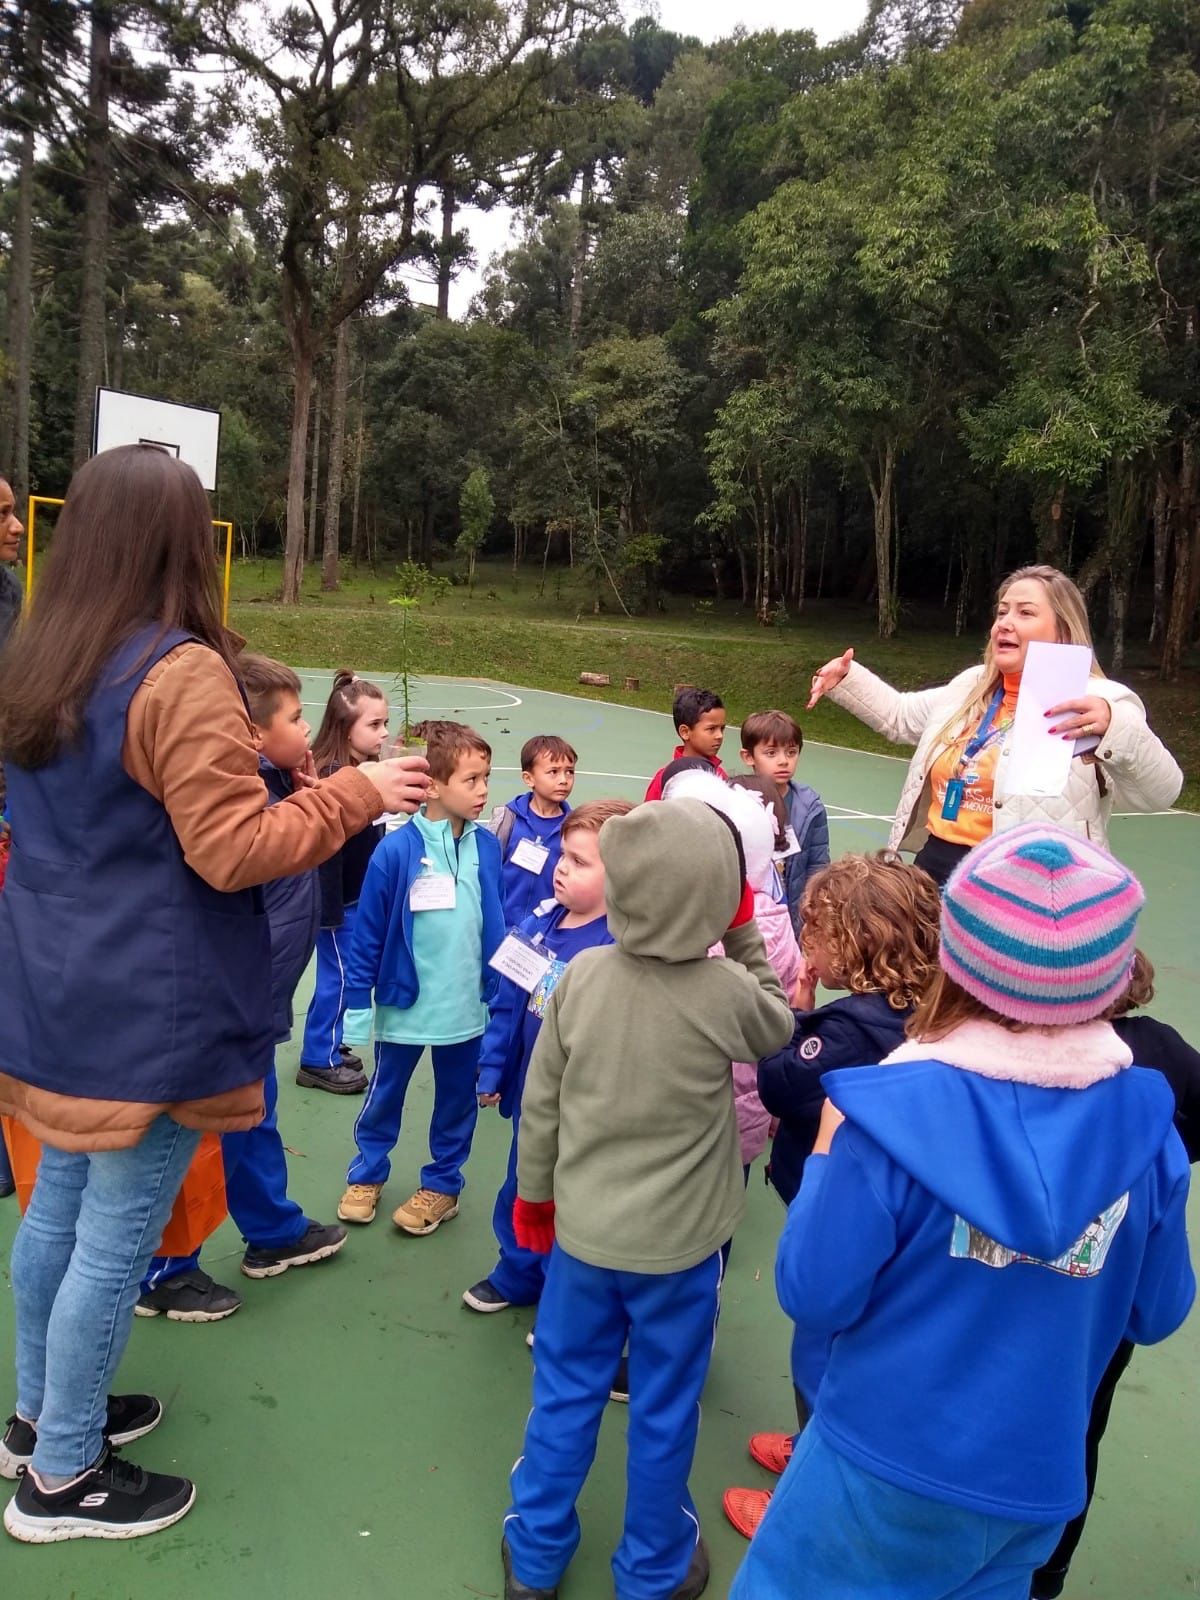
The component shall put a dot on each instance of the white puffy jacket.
(1140, 772)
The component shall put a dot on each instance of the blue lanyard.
(983, 734)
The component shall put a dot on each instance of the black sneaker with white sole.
(317, 1243)
(620, 1384)
(484, 1296)
(189, 1297)
(112, 1500)
(129, 1417)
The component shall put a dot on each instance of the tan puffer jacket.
(1140, 773)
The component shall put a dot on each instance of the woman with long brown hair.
(135, 1006)
(10, 610)
(955, 794)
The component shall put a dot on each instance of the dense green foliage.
(876, 321)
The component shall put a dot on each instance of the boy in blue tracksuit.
(575, 920)
(771, 746)
(429, 919)
(278, 1235)
(529, 827)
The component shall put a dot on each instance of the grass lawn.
(545, 639)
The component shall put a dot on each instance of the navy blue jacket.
(976, 1248)
(384, 922)
(525, 890)
(1156, 1044)
(808, 817)
(341, 877)
(858, 1030)
(501, 1069)
(126, 976)
(293, 916)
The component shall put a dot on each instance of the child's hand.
(489, 1099)
(533, 1225)
(402, 781)
(305, 777)
(831, 1121)
(804, 995)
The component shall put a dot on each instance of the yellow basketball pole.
(36, 500)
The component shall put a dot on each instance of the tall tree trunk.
(339, 386)
(1050, 530)
(579, 263)
(314, 479)
(445, 256)
(881, 474)
(20, 287)
(1183, 517)
(96, 177)
(118, 367)
(359, 448)
(1162, 549)
(293, 550)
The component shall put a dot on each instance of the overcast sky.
(707, 20)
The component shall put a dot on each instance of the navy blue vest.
(123, 975)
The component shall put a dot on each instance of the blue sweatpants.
(455, 1110)
(321, 1046)
(585, 1317)
(255, 1189)
(520, 1274)
(836, 1531)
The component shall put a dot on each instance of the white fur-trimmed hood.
(1047, 1058)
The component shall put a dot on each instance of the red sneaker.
(771, 1450)
(746, 1508)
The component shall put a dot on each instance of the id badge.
(433, 891)
(952, 804)
(521, 961)
(533, 857)
(791, 847)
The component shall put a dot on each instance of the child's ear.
(258, 735)
(748, 758)
(684, 730)
(527, 779)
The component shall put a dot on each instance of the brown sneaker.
(359, 1202)
(425, 1211)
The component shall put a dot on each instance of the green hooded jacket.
(627, 1119)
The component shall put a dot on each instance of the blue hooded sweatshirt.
(293, 915)
(525, 890)
(977, 1247)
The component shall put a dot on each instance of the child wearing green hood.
(629, 1175)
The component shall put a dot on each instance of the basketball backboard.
(190, 433)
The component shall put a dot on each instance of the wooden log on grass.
(633, 683)
(596, 680)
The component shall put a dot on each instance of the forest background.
(799, 344)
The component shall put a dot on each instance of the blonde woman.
(955, 794)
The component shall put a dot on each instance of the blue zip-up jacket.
(341, 877)
(501, 1069)
(976, 1247)
(857, 1030)
(523, 890)
(808, 817)
(293, 916)
(381, 958)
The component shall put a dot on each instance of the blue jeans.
(93, 1222)
(322, 1042)
(585, 1315)
(455, 1110)
(836, 1531)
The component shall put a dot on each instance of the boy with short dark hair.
(529, 826)
(278, 1235)
(573, 921)
(699, 718)
(771, 746)
(430, 917)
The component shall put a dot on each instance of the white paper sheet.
(1038, 760)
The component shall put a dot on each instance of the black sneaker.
(696, 1581)
(343, 1079)
(349, 1059)
(620, 1390)
(130, 1417)
(483, 1296)
(190, 1297)
(317, 1243)
(514, 1589)
(112, 1500)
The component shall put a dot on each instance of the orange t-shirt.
(973, 823)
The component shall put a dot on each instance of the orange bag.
(199, 1206)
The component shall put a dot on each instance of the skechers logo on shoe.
(93, 1502)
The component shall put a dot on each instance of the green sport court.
(351, 1429)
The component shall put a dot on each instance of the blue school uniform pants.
(520, 1274)
(455, 1110)
(322, 1043)
(585, 1317)
(256, 1181)
(836, 1531)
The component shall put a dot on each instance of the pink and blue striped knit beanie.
(1039, 925)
